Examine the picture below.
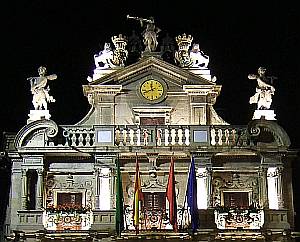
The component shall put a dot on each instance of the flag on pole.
(119, 201)
(171, 197)
(191, 195)
(138, 197)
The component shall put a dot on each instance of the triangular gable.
(152, 66)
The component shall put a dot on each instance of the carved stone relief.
(69, 183)
(247, 182)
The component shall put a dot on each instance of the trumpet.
(151, 21)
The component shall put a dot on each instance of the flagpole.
(138, 197)
(186, 189)
(191, 195)
(119, 200)
(171, 197)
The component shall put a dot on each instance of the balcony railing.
(239, 219)
(158, 136)
(62, 220)
(157, 220)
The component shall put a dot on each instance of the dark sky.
(239, 36)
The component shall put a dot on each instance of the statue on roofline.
(40, 90)
(108, 58)
(190, 58)
(198, 57)
(104, 57)
(264, 91)
(150, 33)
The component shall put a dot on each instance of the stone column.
(279, 188)
(112, 182)
(105, 188)
(263, 193)
(97, 188)
(209, 186)
(24, 189)
(203, 187)
(275, 187)
(39, 190)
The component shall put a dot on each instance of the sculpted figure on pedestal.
(198, 57)
(103, 59)
(150, 33)
(264, 91)
(40, 90)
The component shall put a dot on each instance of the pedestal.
(200, 71)
(35, 115)
(100, 72)
(156, 54)
(265, 114)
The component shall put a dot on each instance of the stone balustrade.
(158, 136)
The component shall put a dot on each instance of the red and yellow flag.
(171, 197)
(138, 196)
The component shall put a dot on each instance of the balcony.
(250, 219)
(157, 219)
(67, 218)
(154, 219)
(154, 136)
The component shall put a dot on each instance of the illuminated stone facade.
(63, 176)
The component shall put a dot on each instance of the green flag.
(119, 201)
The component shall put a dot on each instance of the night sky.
(238, 36)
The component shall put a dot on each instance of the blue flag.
(191, 195)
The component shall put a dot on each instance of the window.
(152, 121)
(69, 199)
(155, 200)
(236, 199)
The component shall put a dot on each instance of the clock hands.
(149, 90)
(152, 90)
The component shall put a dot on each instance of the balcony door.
(152, 121)
(236, 199)
(69, 199)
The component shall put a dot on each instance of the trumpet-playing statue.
(150, 33)
(264, 91)
(40, 90)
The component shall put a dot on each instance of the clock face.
(152, 90)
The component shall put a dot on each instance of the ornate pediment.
(155, 67)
